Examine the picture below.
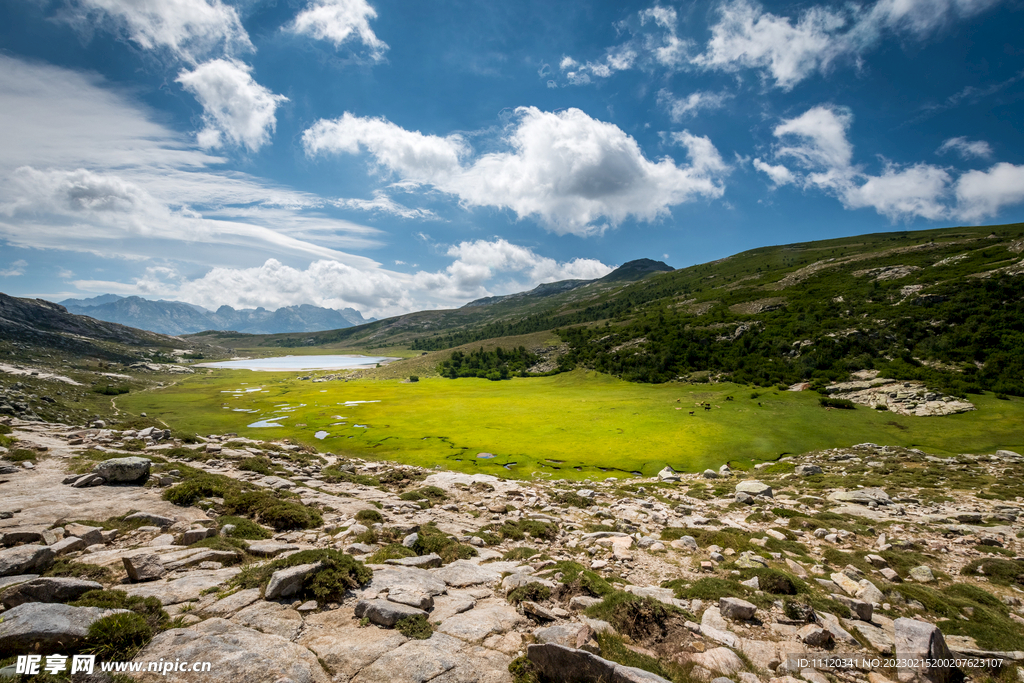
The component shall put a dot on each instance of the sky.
(398, 156)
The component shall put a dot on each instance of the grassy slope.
(583, 419)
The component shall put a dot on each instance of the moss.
(523, 670)
(416, 627)
(533, 592)
(244, 528)
(79, 570)
(338, 573)
(369, 517)
(118, 637)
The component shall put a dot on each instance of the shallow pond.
(299, 363)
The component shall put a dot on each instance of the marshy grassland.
(575, 425)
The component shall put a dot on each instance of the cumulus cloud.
(816, 144)
(788, 50)
(479, 269)
(15, 269)
(967, 149)
(682, 107)
(571, 172)
(340, 21)
(189, 29)
(235, 106)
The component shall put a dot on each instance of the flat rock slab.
(185, 589)
(233, 603)
(47, 589)
(569, 665)
(237, 655)
(405, 580)
(430, 561)
(462, 573)
(861, 496)
(343, 646)
(485, 619)
(53, 626)
(439, 659)
(385, 612)
(270, 617)
(269, 548)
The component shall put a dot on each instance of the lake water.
(300, 363)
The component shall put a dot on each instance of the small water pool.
(299, 363)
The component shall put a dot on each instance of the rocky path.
(866, 551)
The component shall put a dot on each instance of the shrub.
(519, 554)
(338, 573)
(433, 540)
(369, 517)
(21, 455)
(998, 571)
(572, 498)
(260, 464)
(392, 551)
(533, 592)
(70, 569)
(198, 486)
(841, 403)
(523, 670)
(632, 615)
(110, 390)
(772, 581)
(576, 576)
(266, 507)
(414, 378)
(416, 627)
(429, 493)
(244, 528)
(149, 609)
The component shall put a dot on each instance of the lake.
(300, 363)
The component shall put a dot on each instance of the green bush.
(533, 592)
(244, 528)
(519, 554)
(369, 517)
(70, 569)
(639, 618)
(392, 551)
(110, 390)
(773, 581)
(197, 487)
(523, 670)
(269, 509)
(433, 540)
(841, 403)
(416, 627)
(428, 493)
(21, 455)
(260, 464)
(149, 609)
(573, 499)
(576, 576)
(338, 573)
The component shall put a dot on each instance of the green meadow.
(575, 425)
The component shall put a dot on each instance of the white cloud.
(981, 194)
(479, 269)
(235, 106)
(816, 142)
(384, 204)
(967, 149)
(15, 269)
(788, 50)
(340, 21)
(189, 29)
(573, 173)
(681, 107)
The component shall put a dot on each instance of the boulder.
(918, 640)
(576, 636)
(734, 608)
(861, 609)
(922, 574)
(90, 534)
(385, 612)
(421, 561)
(719, 659)
(861, 496)
(236, 654)
(143, 567)
(67, 545)
(807, 470)
(668, 474)
(47, 627)
(815, 636)
(476, 624)
(754, 488)
(150, 518)
(688, 543)
(569, 665)
(47, 589)
(23, 559)
(345, 650)
(131, 470)
(287, 582)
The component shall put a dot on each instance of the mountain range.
(177, 317)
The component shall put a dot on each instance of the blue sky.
(395, 156)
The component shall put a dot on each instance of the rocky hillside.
(273, 562)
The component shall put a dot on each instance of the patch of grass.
(998, 571)
(416, 627)
(369, 517)
(841, 403)
(631, 615)
(431, 494)
(433, 540)
(134, 445)
(994, 550)
(70, 569)
(260, 464)
(572, 499)
(521, 553)
(333, 475)
(576, 575)
(273, 510)
(774, 581)
(533, 592)
(523, 670)
(392, 551)
(182, 453)
(517, 530)
(338, 573)
(118, 636)
(149, 609)
(21, 455)
(707, 588)
(244, 528)
(613, 648)
(198, 485)
(969, 611)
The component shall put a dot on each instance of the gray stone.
(919, 640)
(807, 470)
(270, 617)
(151, 518)
(410, 540)
(404, 580)
(815, 636)
(360, 549)
(569, 665)
(269, 548)
(688, 543)
(863, 610)
(754, 488)
(709, 474)
(734, 608)
(463, 573)
(861, 496)
(25, 558)
(922, 574)
(237, 655)
(185, 589)
(15, 537)
(143, 567)
(288, 581)
(667, 474)
(67, 545)
(576, 636)
(582, 602)
(421, 561)
(384, 612)
(131, 470)
(195, 535)
(47, 627)
(418, 600)
(476, 624)
(344, 650)
(90, 534)
(47, 589)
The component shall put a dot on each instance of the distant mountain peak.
(637, 270)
